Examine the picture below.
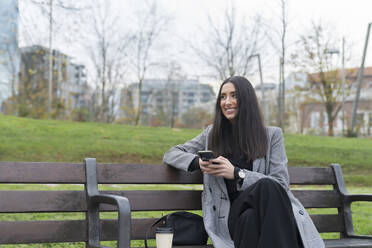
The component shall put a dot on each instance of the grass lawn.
(60, 141)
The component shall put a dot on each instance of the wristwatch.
(239, 173)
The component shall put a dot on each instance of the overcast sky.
(189, 17)
(349, 18)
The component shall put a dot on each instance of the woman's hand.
(218, 167)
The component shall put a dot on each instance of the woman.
(246, 200)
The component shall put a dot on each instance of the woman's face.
(229, 103)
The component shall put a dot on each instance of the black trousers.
(262, 217)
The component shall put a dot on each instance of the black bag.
(188, 228)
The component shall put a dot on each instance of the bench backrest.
(143, 186)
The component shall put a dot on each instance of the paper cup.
(164, 237)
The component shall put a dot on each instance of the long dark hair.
(248, 133)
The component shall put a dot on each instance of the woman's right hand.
(218, 167)
(204, 165)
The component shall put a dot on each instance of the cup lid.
(164, 230)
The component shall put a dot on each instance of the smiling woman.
(229, 104)
(246, 199)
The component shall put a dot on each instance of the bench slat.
(318, 198)
(141, 200)
(41, 172)
(42, 201)
(327, 223)
(74, 201)
(311, 175)
(345, 242)
(23, 232)
(31, 172)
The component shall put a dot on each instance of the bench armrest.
(347, 199)
(358, 197)
(360, 236)
(94, 199)
(124, 218)
(350, 198)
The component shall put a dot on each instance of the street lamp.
(336, 51)
(262, 85)
(360, 79)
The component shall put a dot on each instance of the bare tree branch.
(324, 79)
(228, 47)
(150, 25)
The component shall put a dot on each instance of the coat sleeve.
(181, 156)
(277, 163)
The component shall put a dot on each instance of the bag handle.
(153, 224)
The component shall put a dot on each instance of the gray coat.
(215, 195)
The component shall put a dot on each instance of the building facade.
(171, 98)
(311, 115)
(9, 53)
(69, 83)
(269, 106)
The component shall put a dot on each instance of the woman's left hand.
(219, 167)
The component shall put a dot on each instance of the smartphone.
(205, 155)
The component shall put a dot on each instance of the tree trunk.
(330, 119)
(330, 128)
(139, 107)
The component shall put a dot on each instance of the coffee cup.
(164, 237)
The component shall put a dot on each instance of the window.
(338, 123)
(314, 120)
(325, 119)
(360, 119)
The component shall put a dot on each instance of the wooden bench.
(163, 198)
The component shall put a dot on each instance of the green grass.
(34, 140)
(25, 139)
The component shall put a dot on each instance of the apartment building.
(174, 97)
(269, 104)
(311, 116)
(69, 81)
(9, 54)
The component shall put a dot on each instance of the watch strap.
(236, 172)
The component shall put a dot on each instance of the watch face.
(241, 174)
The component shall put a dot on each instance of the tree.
(48, 12)
(106, 43)
(278, 39)
(33, 88)
(174, 75)
(324, 80)
(150, 24)
(228, 47)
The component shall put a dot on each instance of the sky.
(189, 19)
(349, 19)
